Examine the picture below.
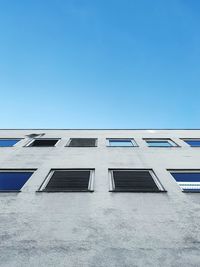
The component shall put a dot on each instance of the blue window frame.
(13, 180)
(188, 181)
(192, 142)
(8, 142)
(121, 142)
(160, 143)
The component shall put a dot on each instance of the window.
(83, 142)
(192, 142)
(69, 181)
(8, 142)
(13, 180)
(121, 142)
(160, 143)
(43, 142)
(189, 181)
(134, 181)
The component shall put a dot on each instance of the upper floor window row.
(73, 142)
(51, 142)
(92, 142)
(82, 180)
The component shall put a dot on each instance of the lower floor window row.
(82, 180)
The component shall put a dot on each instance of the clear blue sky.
(100, 64)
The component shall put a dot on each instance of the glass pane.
(8, 142)
(13, 180)
(120, 143)
(69, 181)
(135, 181)
(188, 182)
(187, 177)
(193, 142)
(159, 143)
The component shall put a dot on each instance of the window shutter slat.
(69, 181)
(82, 142)
(139, 181)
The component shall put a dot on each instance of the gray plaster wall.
(100, 229)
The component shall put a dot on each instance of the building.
(129, 198)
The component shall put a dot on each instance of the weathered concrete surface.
(100, 229)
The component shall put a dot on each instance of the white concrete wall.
(101, 228)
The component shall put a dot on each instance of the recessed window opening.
(82, 142)
(13, 180)
(70, 180)
(189, 181)
(160, 143)
(121, 142)
(43, 142)
(192, 142)
(8, 142)
(134, 181)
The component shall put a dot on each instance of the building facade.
(96, 198)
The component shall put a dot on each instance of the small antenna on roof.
(33, 135)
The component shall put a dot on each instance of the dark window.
(188, 181)
(8, 142)
(82, 142)
(121, 142)
(135, 181)
(68, 180)
(160, 143)
(13, 180)
(192, 142)
(44, 142)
